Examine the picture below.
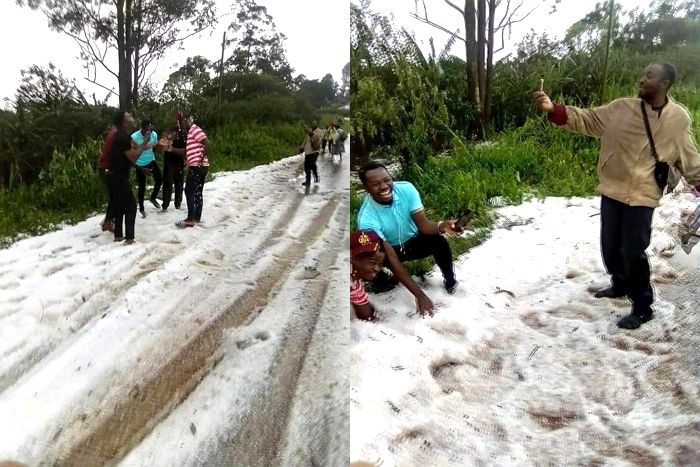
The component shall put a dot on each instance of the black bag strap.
(646, 125)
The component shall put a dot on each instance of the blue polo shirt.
(147, 156)
(393, 222)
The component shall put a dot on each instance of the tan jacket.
(312, 143)
(626, 166)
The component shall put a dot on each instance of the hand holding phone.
(463, 221)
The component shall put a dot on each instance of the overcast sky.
(313, 48)
(555, 25)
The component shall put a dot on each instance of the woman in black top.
(174, 168)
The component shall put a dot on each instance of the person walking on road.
(310, 148)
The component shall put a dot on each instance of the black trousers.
(310, 166)
(624, 236)
(173, 173)
(123, 204)
(157, 181)
(194, 191)
(421, 246)
(109, 215)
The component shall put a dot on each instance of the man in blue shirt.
(146, 164)
(395, 212)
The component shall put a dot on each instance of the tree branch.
(111, 91)
(461, 12)
(437, 26)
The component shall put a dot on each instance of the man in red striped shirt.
(197, 167)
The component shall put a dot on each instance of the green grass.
(535, 159)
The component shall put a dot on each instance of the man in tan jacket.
(310, 147)
(626, 176)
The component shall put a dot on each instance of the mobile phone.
(463, 220)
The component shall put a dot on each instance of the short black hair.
(669, 72)
(118, 117)
(145, 123)
(371, 165)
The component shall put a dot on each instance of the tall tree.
(140, 31)
(480, 29)
(257, 46)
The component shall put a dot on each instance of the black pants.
(421, 246)
(624, 237)
(123, 204)
(173, 173)
(194, 191)
(310, 166)
(109, 215)
(157, 181)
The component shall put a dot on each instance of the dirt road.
(127, 348)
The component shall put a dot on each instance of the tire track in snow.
(123, 426)
(99, 296)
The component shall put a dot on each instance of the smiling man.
(394, 210)
(628, 176)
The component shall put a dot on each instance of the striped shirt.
(358, 296)
(195, 148)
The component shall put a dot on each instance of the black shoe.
(143, 212)
(451, 288)
(164, 209)
(154, 202)
(633, 321)
(306, 184)
(610, 292)
(177, 206)
(316, 179)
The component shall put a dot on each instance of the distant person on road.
(174, 166)
(310, 148)
(122, 155)
(197, 161)
(330, 136)
(107, 223)
(339, 137)
(324, 140)
(631, 131)
(146, 164)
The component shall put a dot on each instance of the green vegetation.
(413, 109)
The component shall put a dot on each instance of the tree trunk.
(601, 97)
(123, 58)
(477, 130)
(489, 62)
(481, 51)
(129, 29)
(136, 47)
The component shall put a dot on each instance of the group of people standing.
(184, 145)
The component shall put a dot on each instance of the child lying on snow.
(366, 258)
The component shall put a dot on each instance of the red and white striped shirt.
(358, 296)
(195, 148)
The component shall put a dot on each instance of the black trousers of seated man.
(421, 246)
(625, 235)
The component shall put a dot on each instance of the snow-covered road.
(192, 347)
(524, 366)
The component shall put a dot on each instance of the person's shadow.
(308, 190)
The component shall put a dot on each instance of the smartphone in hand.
(463, 220)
